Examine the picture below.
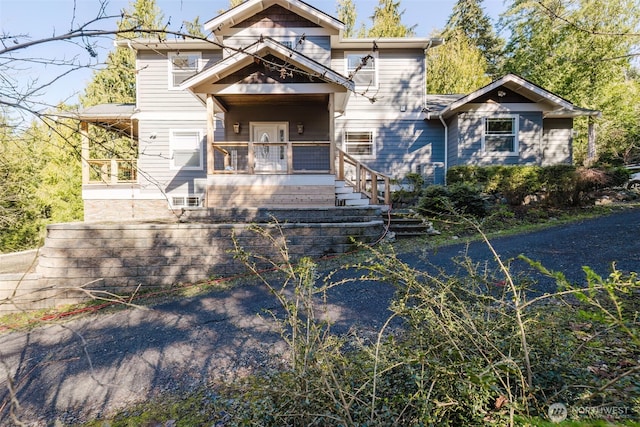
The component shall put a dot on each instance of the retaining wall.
(127, 256)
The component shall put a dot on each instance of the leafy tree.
(468, 18)
(387, 21)
(581, 50)
(346, 12)
(458, 66)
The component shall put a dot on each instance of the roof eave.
(248, 8)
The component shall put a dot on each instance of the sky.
(37, 19)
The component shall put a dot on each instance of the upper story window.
(183, 65)
(186, 149)
(363, 69)
(501, 134)
(361, 143)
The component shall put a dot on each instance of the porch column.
(210, 133)
(332, 134)
(84, 136)
(591, 141)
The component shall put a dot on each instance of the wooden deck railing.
(112, 171)
(246, 157)
(363, 179)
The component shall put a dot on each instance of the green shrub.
(459, 198)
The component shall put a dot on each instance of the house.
(277, 109)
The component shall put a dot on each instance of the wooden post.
(374, 189)
(332, 139)
(84, 133)
(591, 141)
(210, 134)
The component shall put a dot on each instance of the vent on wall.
(186, 201)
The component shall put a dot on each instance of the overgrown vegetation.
(478, 347)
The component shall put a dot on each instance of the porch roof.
(205, 81)
(118, 117)
(447, 105)
(223, 22)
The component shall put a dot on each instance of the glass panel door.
(269, 146)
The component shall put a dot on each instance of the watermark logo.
(557, 412)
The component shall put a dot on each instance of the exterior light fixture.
(300, 128)
(502, 93)
(236, 127)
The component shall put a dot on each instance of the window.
(186, 149)
(186, 201)
(501, 134)
(182, 66)
(361, 67)
(360, 143)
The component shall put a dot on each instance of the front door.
(270, 146)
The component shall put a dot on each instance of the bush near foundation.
(557, 186)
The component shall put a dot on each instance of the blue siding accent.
(471, 130)
(402, 146)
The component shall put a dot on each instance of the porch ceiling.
(229, 101)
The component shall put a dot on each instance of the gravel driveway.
(83, 368)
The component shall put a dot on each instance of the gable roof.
(249, 8)
(447, 105)
(261, 48)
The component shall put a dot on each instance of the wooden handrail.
(361, 177)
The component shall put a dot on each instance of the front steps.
(347, 196)
(407, 224)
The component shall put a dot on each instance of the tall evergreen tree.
(387, 21)
(581, 50)
(346, 12)
(116, 82)
(468, 18)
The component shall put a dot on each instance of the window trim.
(373, 142)
(376, 66)
(172, 72)
(172, 148)
(515, 133)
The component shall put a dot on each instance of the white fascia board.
(504, 81)
(242, 59)
(169, 44)
(272, 88)
(387, 43)
(249, 8)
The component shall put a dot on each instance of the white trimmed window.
(186, 149)
(362, 67)
(500, 135)
(360, 143)
(182, 65)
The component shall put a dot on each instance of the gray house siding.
(453, 135)
(400, 82)
(317, 48)
(471, 129)
(154, 158)
(557, 141)
(313, 116)
(153, 84)
(401, 146)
